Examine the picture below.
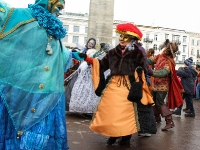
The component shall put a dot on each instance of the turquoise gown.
(32, 65)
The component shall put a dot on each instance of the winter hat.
(188, 61)
(129, 29)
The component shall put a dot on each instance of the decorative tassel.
(48, 48)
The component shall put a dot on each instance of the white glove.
(83, 66)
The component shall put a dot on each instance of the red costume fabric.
(175, 88)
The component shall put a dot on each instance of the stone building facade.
(78, 28)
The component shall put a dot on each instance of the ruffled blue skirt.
(49, 134)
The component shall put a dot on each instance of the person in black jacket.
(188, 75)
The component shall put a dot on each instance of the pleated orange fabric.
(115, 114)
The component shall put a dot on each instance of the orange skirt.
(115, 115)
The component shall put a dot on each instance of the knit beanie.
(188, 61)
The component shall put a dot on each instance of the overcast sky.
(175, 14)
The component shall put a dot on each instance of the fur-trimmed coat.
(123, 64)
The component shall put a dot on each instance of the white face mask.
(57, 13)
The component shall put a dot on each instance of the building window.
(176, 58)
(76, 29)
(85, 40)
(198, 56)
(183, 58)
(75, 39)
(155, 37)
(155, 47)
(66, 27)
(166, 36)
(147, 46)
(86, 29)
(147, 36)
(65, 39)
(184, 39)
(175, 38)
(184, 48)
(198, 43)
(192, 51)
(192, 42)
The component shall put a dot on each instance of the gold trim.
(19, 134)
(8, 18)
(49, 5)
(129, 33)
(53, 1)
(17, 26)
(2, 35)
(2, 10)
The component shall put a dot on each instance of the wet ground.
(184, 136)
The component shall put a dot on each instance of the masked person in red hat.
(115, 115)
(166, 82)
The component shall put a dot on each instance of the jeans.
(197, 91)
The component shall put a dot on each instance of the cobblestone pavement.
(185, 135)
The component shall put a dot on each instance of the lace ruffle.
(83, 98)
(52, 25)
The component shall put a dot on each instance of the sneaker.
(144, 134)
(190, 115)
(177, 112)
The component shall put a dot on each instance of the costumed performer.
(33, 61)
(115, 115)
(166, 82)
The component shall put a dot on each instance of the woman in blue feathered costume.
(32, 64)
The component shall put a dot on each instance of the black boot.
(191, 114)
(177, 112)
(125, 140)
(112, 140)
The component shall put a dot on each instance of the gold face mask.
(125, 37)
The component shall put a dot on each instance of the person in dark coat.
(188, 76)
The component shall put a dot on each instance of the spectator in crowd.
(198, 84)
(91, 43)
(188, 75)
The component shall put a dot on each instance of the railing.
(177, 41)
(148, 40)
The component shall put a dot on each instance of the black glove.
(139, 70)
(82, 55)
(75, 49)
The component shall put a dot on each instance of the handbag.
(135, 92)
